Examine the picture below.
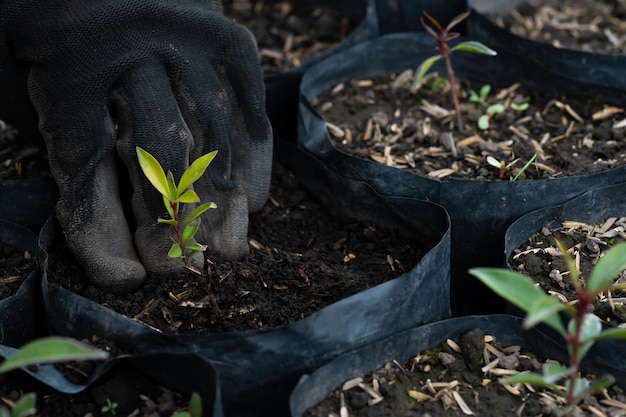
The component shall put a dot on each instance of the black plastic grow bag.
(258, 369)
(480, 211)
(183, 373)
(593, 206)
(21, 314)
(402, 346)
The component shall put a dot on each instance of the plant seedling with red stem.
(443, 36)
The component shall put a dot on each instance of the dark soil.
(384, 120)
(459, 376)
(591, 26)
(542, 262)
(302, 259)
(14, 268)
(289, 33)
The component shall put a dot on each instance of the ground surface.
(384, 120)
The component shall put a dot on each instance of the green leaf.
(541, 309)
(26, 406)
(485, 90)
(423, 69)
(50, 350)
(474, 47)
(190, 230)
(517, 289)
(553, 372)
(175, 251)
(531, 378)
(195, 405)
(483, 122)
(613, 333)
(495, 108)
(171, 222)
(591, 328)
(607, 269)
(195, 171)
(197, 247)
(197, 212)
(493, 162)
(188, 197)
(474, 97)
(171, 187)
(601, 383)
(152, 170)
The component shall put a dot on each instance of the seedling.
(175, 195)
(521, 106)
(442, 36)
(583, 328)
(46, 350)
(504, 167)
(110, 407)
(195, 408)
(481, 98)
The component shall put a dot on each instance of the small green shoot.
(483, 120)
(194, 410)
(504, 167)
(582, 330)
(175, 195)
(481, 98)
(46, 350)
(109, 407)
(521, 106)
(442, 36)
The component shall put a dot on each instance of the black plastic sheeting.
(480, 211)
(403, 346)
(21, 315)
(183, 373)
(28, 203)
(258, 368)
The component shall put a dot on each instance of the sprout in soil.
(175, 195)
(481, 98)
(110, 407)
(442, 36)
(504, 167)
(580, 333)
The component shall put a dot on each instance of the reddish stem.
(574, 341)
(444, 51)
(178, 231)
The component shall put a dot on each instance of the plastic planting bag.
(21, 314)
(258, 368)
(480, 211)
(403, 346)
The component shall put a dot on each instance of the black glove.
(174, 77)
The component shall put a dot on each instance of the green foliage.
(46, 350)
(175, 195)
(583, 328)
(195, 407)
(109, 407)
(443, 36)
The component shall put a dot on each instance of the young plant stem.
(574, 342)
(452, 82)
(178, 231)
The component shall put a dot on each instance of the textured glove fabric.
(174, 77)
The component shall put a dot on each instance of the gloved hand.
(174, 77)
